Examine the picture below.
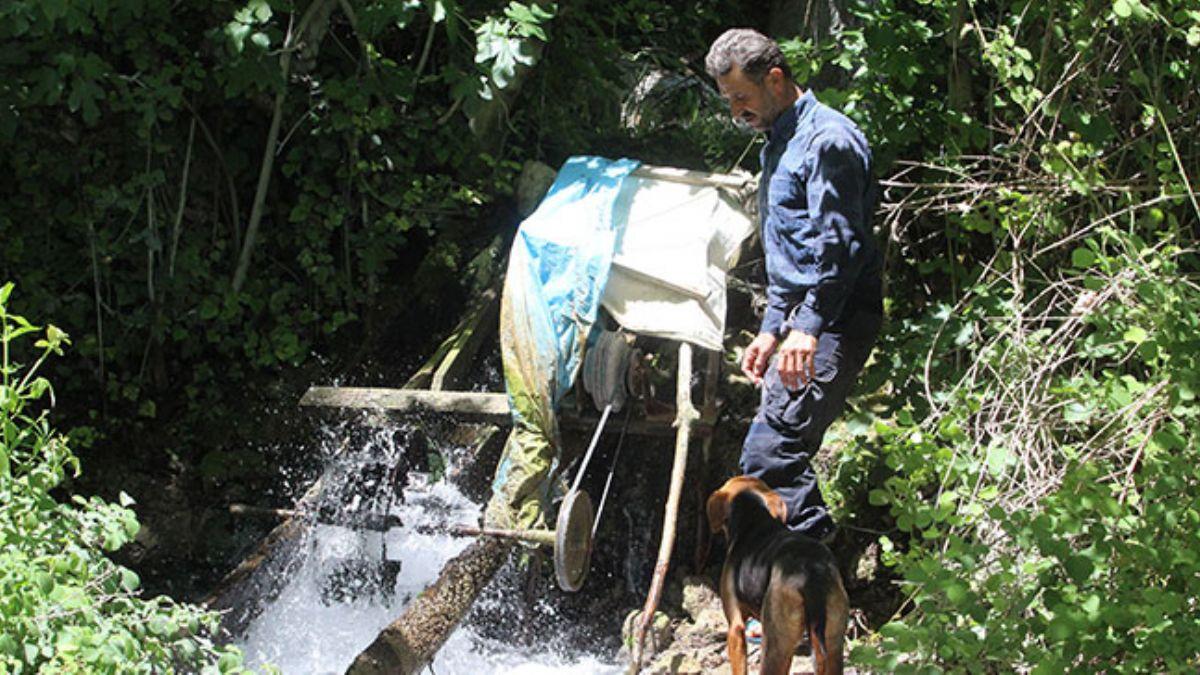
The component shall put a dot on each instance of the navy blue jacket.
(816, 198)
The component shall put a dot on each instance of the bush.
(1035, 428)
(64, 606)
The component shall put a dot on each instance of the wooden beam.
(476, 406)
(479, 406)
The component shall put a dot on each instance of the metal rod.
(248, 510)
(612, 469)
(591, 448)
(537, 536)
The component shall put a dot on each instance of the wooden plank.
(485, 406)
(478, 406)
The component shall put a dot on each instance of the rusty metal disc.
(573, 540)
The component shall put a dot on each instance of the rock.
(658, 634)
(868, 564)
(698, 596)
(677, 663)
(533, 183)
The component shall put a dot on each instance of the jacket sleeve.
(776, 312)
(837, 186)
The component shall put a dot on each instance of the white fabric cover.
(668, 275)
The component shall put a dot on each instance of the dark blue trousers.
(790, 424)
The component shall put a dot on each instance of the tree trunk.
(410, 642)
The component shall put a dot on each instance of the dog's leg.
(735, 639)
(837, 615)
(783, 625)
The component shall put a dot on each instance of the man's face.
(756, 104)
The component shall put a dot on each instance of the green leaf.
(438, 10)
(129, 580)
(5, 291)
(261, 9)
(53, 9)
(998, 459)
(1077, 412)
(1082, 258)
(237, 31)
(1079, 568)
(1135, 334)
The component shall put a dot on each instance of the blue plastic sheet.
(557, 269)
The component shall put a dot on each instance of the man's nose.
(735, 109)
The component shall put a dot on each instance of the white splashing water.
(301, 634)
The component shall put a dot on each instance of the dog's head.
(719, 501)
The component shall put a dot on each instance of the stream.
(340, 596)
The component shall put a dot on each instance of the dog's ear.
(718, 510)
(775, 505)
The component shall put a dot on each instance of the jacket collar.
(784, 126)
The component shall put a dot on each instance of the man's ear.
(718, 510)
(776, 81)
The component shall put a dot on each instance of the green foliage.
(380, 192)
(1033, 440)
(66, 606)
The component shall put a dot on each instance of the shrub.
(64, 605)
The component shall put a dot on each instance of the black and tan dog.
(786, 580)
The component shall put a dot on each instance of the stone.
(658, 634)
(533, 183)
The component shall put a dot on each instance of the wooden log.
(469, 405)
(454, 357)
(410, 642)
(686, 415)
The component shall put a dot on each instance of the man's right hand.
(757, 355)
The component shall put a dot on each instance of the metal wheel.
(573, 540)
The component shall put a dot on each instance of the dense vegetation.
(209, 196)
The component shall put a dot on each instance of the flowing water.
(342, 593)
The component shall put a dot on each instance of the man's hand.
(796, 359)
(757, 355)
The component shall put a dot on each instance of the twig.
(177, 226)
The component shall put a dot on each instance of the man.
(824, 304)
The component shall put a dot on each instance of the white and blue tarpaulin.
(653, 252)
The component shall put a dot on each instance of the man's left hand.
(796, 360)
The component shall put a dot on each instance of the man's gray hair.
(751, 51)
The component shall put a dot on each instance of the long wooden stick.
(685, 415)
(318, 10)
